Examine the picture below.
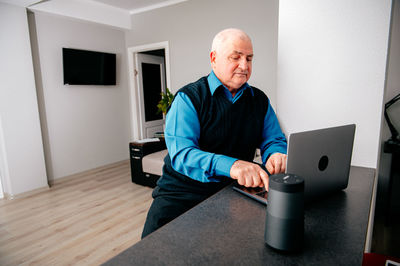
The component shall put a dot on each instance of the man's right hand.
(249, 174)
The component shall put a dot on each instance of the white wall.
(85, 126)
(190, 27)
(22, 149)
(331, 68)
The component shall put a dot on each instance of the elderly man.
(212, 130)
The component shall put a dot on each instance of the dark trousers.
(167, 206)
(175, 194)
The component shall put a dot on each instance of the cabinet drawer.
(136, 149)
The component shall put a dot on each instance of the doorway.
(149, 76)
(150, 73)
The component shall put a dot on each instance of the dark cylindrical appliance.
(284, 225)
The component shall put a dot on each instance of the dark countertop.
(228, 229)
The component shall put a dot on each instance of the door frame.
(133, 82)
(160, 61)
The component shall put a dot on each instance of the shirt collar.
(214, 83)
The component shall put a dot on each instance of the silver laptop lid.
(322, 157)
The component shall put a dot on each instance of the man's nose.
(243, 64)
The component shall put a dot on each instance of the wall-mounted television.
(82, 67)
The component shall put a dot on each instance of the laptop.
(322, 157)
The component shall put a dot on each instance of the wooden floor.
(84, 219)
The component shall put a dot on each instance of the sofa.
(147, 160)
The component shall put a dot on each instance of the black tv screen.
(83, 67)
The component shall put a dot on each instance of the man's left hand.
(276, 163)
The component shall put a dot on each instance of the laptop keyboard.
(261, 194)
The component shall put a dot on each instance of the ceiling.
(131, 6)
(135, 6)
(115, 13)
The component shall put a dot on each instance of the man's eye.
(249, 59)
(235, 58)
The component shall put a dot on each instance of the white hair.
(223, 35)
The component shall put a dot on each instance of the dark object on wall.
(82, 67)
(393, 131)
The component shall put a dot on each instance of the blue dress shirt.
(182, 131)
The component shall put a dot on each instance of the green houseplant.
(165, 102)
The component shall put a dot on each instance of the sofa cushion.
(154, 162)
(257, 157)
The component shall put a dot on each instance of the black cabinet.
(393, 147)
(137, 152)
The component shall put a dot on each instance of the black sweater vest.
(232, 129)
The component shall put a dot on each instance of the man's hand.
(249, 174)
(276, 163)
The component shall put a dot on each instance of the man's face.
(232, 63)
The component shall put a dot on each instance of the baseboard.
(53, 182)
(61, 180)
(8, 196)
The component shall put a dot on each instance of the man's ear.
(212, 57)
